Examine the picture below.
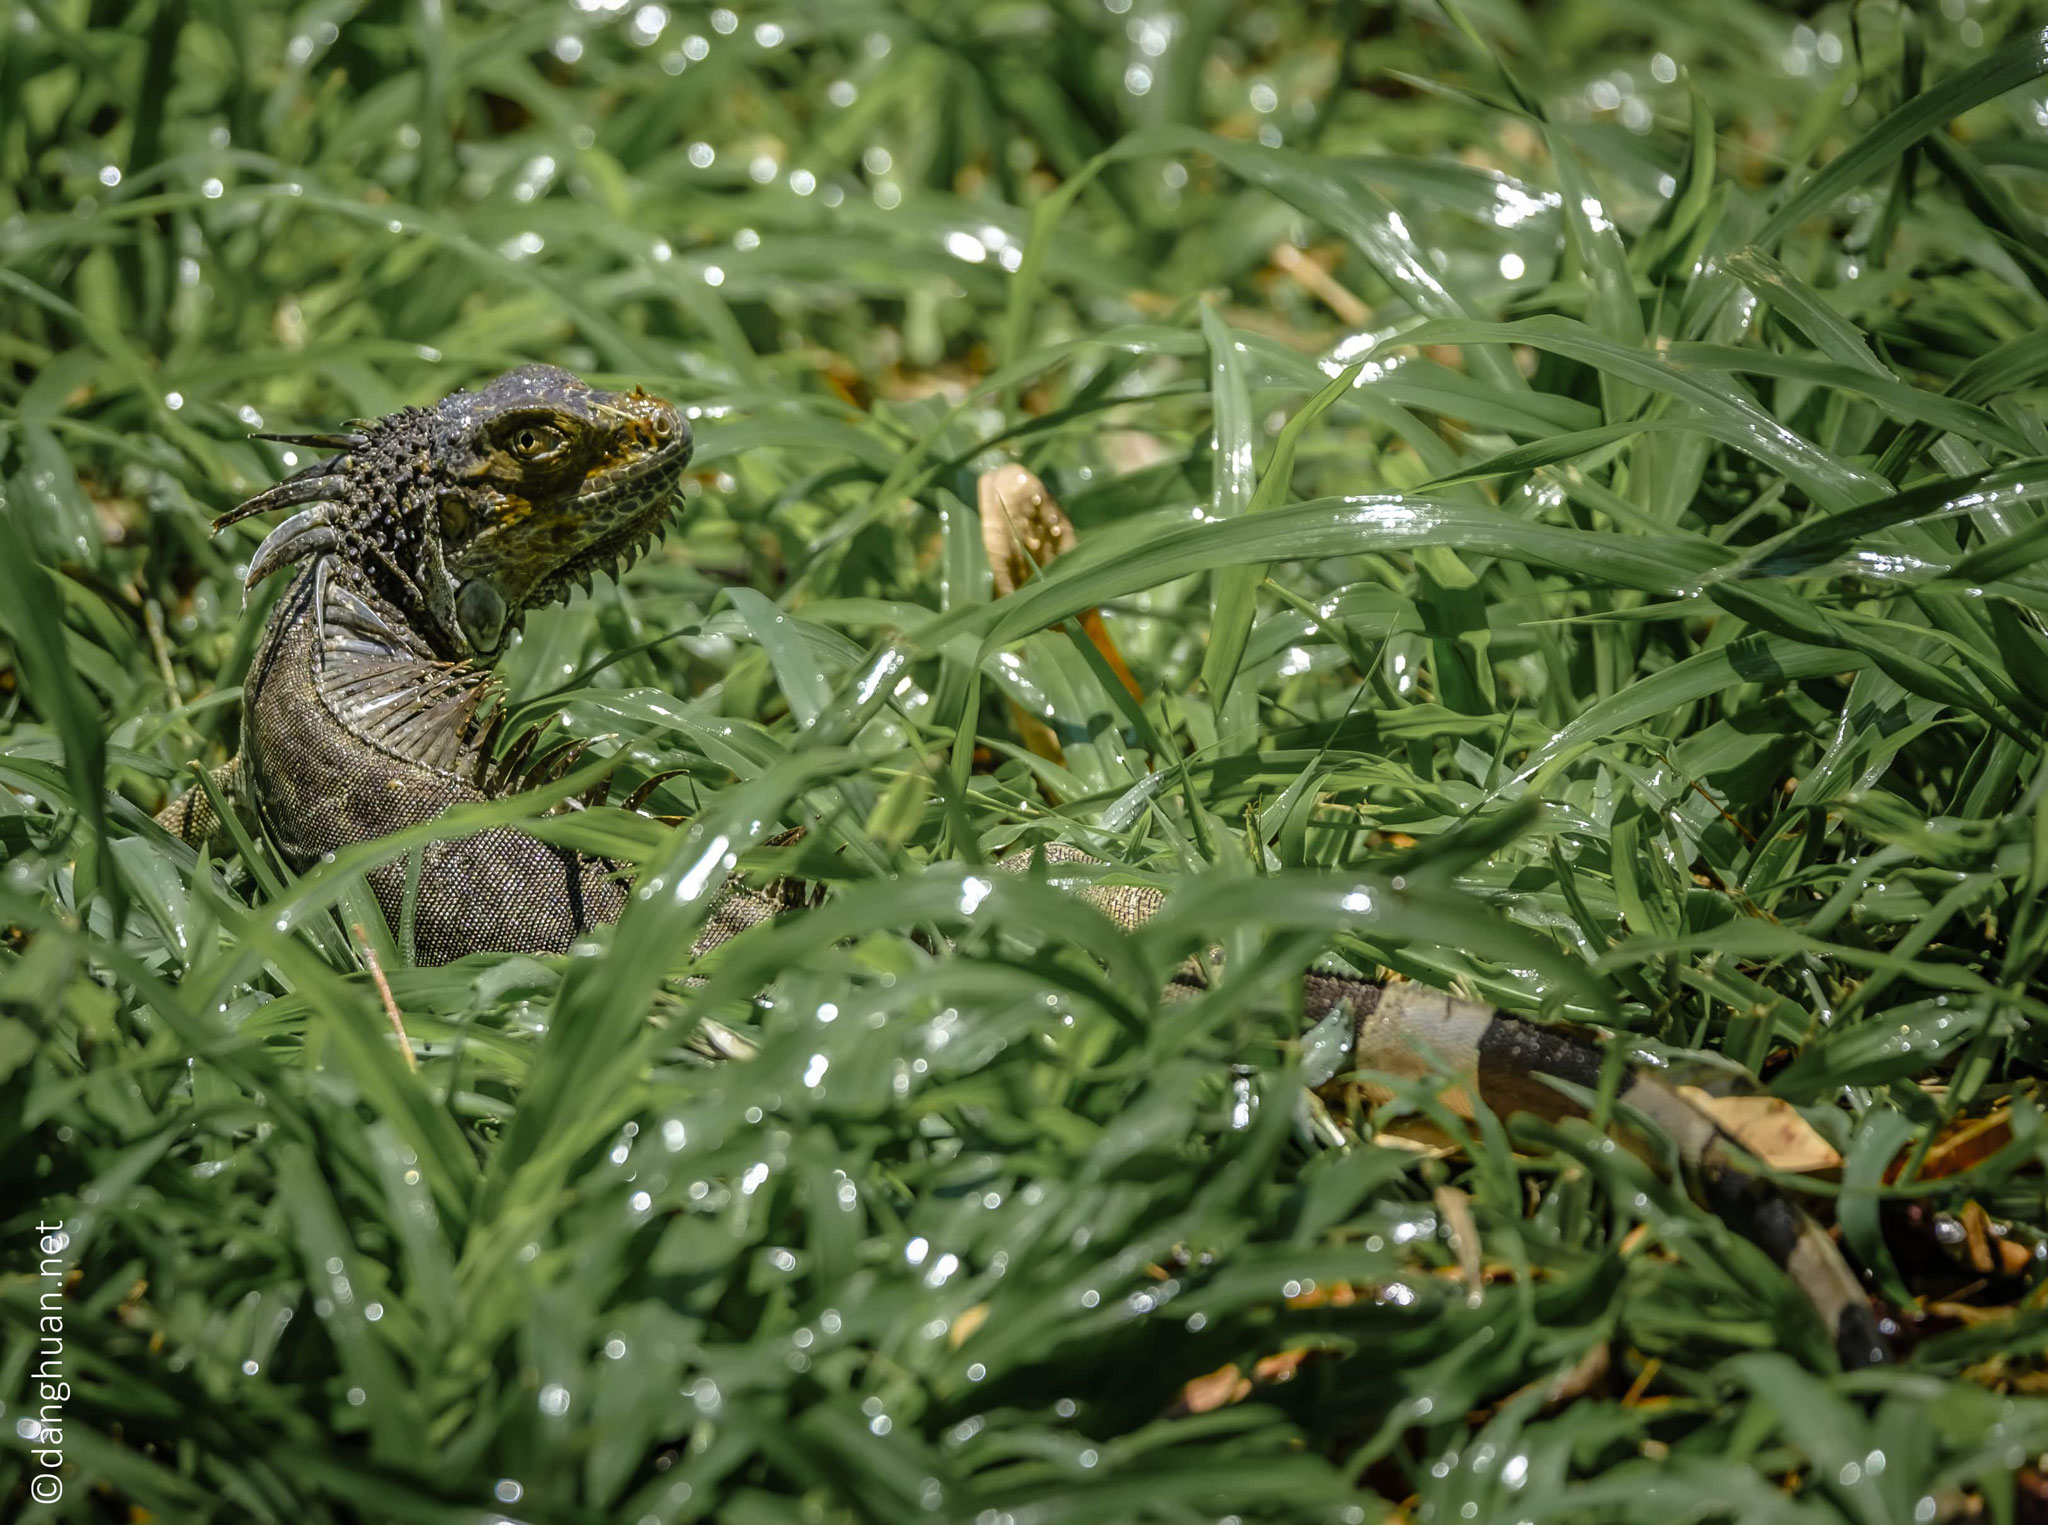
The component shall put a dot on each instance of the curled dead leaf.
(1770, 1129)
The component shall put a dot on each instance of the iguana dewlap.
(422, 543)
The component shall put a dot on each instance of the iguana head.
(468, 514)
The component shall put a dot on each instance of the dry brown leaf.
(1226, 1384)
(1310, 274)
(1281, 1367)
(1968, 1314)
(1770, 1129)
(1962, 1143)
(1336, 1294)
(1023, 528)
(1581, 1377)
(1977, 1235)
(1203, 1395)
(1463, 1232)
(965, 1325)
(1415, 1137)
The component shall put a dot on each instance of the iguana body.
(429, 536)
(426, 541)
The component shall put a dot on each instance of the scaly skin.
(431, 535)
(433, 532)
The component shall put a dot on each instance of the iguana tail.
(1412, 1031)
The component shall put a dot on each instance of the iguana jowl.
(427, 537)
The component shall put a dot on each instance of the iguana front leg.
(192, 817)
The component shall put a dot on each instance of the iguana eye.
(533, 440)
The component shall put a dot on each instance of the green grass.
(1655, 627)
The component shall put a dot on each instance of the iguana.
(421, 543)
